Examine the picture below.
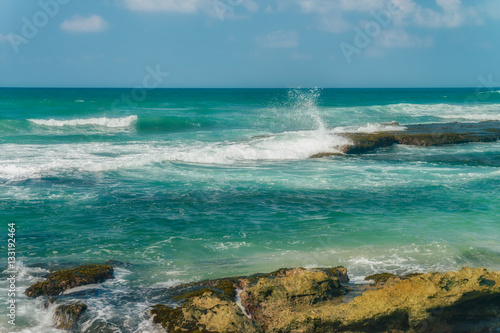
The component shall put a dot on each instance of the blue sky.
(249, 43)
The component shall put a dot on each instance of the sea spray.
(297, 110)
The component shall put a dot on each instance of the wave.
(444, 110)
(489, 92)
(474, 117)
(35, 161)
(103, 121)
(415, 113)
(370, 128)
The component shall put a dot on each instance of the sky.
(249, 43)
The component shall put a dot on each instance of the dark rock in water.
(66, 316)
(425, 135)
(99, 326)
(262, 136)
(60, 281)
(392, 123)
(311, 300)
(326, 154)
(115, 263)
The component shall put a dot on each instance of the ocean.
(181, 185)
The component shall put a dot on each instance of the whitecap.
(102, 121)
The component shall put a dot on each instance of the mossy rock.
(224, 288)
(66, 316)
(168, 317)
(382, 278)
(60, 281)
(174, 321)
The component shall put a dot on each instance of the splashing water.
(298, 112)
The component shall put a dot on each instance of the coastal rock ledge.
(320, 300)
(60, 281)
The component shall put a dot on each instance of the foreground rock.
(317, 300)
(60, 281)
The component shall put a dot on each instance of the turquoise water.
(188, 184)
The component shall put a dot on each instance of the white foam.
(478, 117)
(103, 121)
(489, 92)
(168, 284)
(21, 162)
(468, 111)
(369, 128)
(283, 147)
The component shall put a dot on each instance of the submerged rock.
(325, 154)
(66, 316)
(312, 300)
(60, 281)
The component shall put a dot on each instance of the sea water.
(187, 184)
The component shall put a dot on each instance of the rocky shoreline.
(306, 300)
(437, 134)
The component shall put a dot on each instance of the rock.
(60, 281)
(424, 135)
(271, 298)
(207, 306)
(262, 136)
(385, 279)
(115, 263)
(205, 313)
(312, 300)
(326, 154)
(431, 302)
(66, 316)
(392, 123)
(99, 326)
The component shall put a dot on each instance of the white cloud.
(183, 6)
(279, 39)
(397, 38)
(491, 8)
(325, 6)
(222, 9)
(4, 38)
(93, 23)
(448, 14)
(334, 23)
(451, 14)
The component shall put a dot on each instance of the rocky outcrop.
(273, 299)
(60, 281)
(317, 300)
(437, 134)
(207, 306)
(66, 316)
